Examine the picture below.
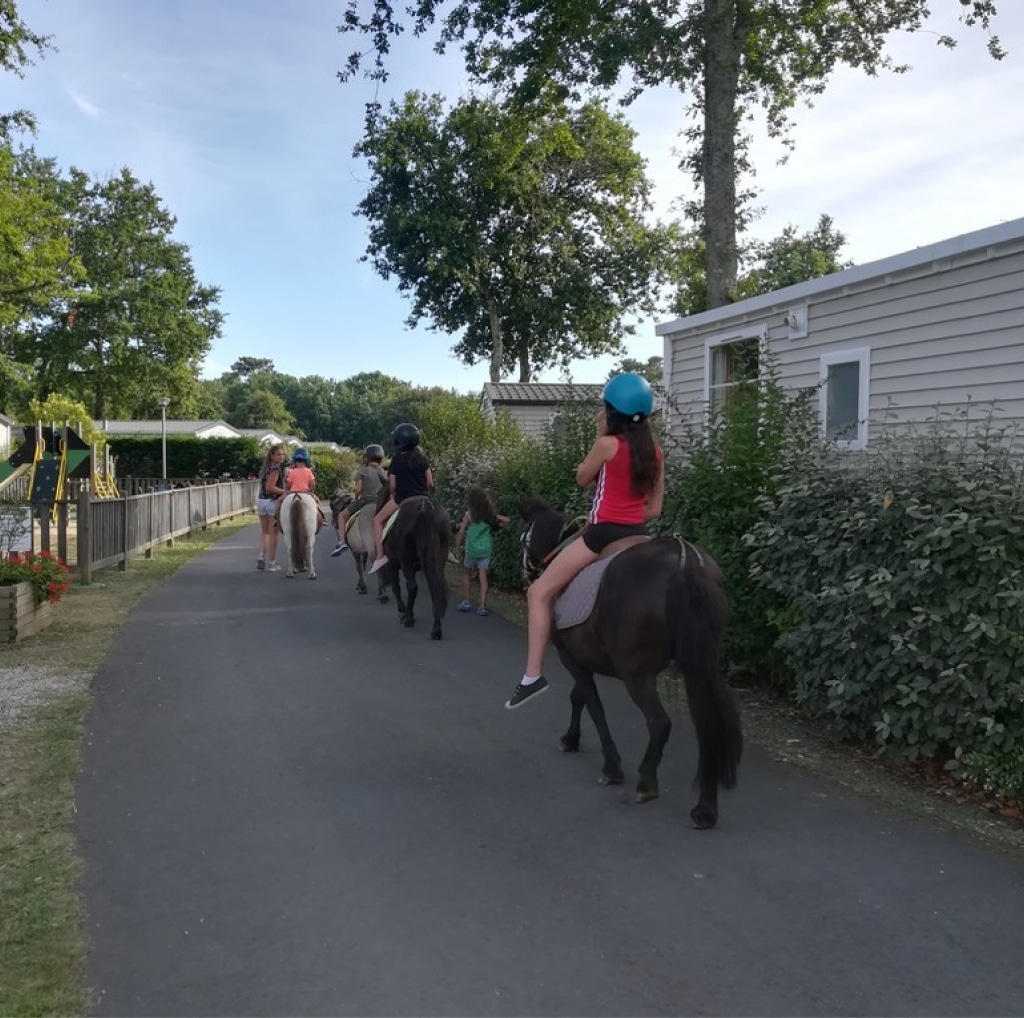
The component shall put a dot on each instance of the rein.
(564, 541)
(531, 569)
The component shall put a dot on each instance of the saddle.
(321, 519)
(576, 602)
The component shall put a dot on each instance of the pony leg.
(584, 694)
(411, 590)
(644, 694)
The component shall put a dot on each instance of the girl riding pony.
(626, 465)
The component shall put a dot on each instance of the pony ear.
(532, 506)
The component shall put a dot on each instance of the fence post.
(44, 525)
(152, 523)
(62, 531)
(170, 517)
(123, 564)
(83, 555)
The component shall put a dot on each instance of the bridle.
(532, 568)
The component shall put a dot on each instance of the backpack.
(478, 540)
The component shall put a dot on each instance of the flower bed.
(29, 587)
(20, 615)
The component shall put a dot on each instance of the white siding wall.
(946, 332)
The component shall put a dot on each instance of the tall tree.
(523, 227)
(139, 324)
(652, 369)
(36, 259)
(728, 56)
(18, 44)
(261, 408)
(770, 265)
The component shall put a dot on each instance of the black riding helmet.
(406, 437)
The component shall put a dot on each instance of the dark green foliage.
(335, 470)
(714, 481)
(904, 576)
(187, 456)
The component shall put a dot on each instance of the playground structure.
(52, 456)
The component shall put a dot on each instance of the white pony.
(298, 529)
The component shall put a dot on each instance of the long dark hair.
(643, 453)
(267, 465)
(413, 457)
(481, 508)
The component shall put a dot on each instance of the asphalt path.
(289, 805)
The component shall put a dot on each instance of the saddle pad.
(388, 524)
(352, 519)
(576, 602)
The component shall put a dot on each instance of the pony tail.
(298, 533)
(428, 540)
(696, 611)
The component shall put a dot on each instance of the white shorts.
(266, 506)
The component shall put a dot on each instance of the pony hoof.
(358, 591)
(407, 622)
(383, 598)
(567, 745)
(289, 576)
(703, 818)
(312, 576)
(610, 779)
(645, 795)
(435, 636)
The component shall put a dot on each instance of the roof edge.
(1002, 233)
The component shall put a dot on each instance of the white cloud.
(83, 104)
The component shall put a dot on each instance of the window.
(844, 397)
(731, 362)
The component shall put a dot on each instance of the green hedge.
(903, 577)
(187, 456)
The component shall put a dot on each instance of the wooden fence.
(104, 532)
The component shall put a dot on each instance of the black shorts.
(597, 536)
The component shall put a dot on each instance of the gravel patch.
(25, 688)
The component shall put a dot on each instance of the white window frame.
(758, 332)
(862, 355)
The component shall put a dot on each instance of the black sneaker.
(523, 693)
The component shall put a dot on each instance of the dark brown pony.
(418, 543)
(660, 601)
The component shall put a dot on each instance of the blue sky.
(233, 110)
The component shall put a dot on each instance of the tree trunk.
(723, 34)
(524, 360)
(496, 349)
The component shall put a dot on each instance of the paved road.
(290, 805)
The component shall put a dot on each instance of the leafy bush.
(903, 573)
(715, 478)
(187, 456)
(48, 575)
(335, 470)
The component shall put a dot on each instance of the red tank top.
(614, 501)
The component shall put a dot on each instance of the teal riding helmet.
(300, 456)
(630, 395)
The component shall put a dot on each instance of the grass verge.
(42, 942)
(787, 735)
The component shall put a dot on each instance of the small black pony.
(659, 601)
(418, 542)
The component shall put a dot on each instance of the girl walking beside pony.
(476, 529)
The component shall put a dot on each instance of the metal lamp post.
(163, 402)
